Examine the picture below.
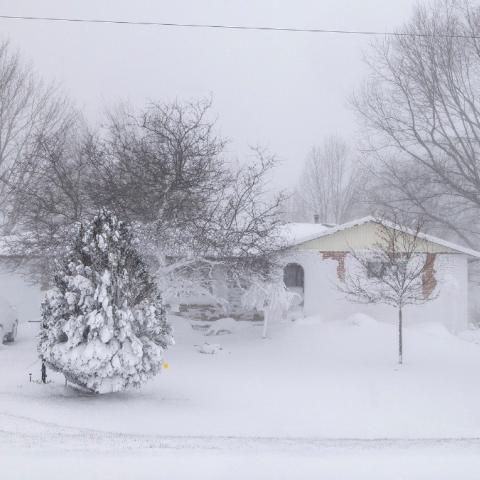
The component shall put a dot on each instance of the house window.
(293, 276)
(375, 269)
(378, 269)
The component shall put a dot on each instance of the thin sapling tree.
(397, 271)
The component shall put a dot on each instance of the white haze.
(286, 91)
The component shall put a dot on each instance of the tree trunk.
(265, 324)
(400, 336)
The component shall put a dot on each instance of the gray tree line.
(418, 156)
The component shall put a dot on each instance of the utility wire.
(235, 27)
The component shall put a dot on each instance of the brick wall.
(339, 257)
(429, 282)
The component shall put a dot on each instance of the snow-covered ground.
(317, 399)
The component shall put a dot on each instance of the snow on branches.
(103, 322)
(269, 296)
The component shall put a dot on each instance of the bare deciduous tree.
(28, 108)
(163, 169)
(163, 162)
(237, 235)
(396, 271)
(330, 185)
(48, 192)
(420, 103)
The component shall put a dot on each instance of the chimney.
(316, 218)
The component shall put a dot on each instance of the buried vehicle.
(8, 322)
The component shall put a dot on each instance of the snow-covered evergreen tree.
(103, 322)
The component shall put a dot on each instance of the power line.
(234, 27)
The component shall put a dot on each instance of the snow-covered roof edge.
(371, 219)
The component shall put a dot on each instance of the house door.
(294, 279)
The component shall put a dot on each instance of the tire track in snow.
(33, 434)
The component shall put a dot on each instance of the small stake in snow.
(44, 372)
(30, 376)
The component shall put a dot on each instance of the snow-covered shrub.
(103, 322)
(270, 297)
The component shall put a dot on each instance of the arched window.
(293, 276)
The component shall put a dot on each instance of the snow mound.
(471, 335)
(314, 320)
(434, 329)
(222, 326)
(209, 348)
(360, 320)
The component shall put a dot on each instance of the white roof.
(297, 233)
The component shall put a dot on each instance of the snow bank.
(313, 379)
(360, 320)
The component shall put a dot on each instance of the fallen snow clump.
(209, 348)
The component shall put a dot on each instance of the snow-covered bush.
(269, 296)
(103, 322)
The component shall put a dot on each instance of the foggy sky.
(285, 91)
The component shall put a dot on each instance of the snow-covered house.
(317, 257)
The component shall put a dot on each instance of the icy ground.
(316, 400)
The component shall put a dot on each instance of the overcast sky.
(286, 91)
